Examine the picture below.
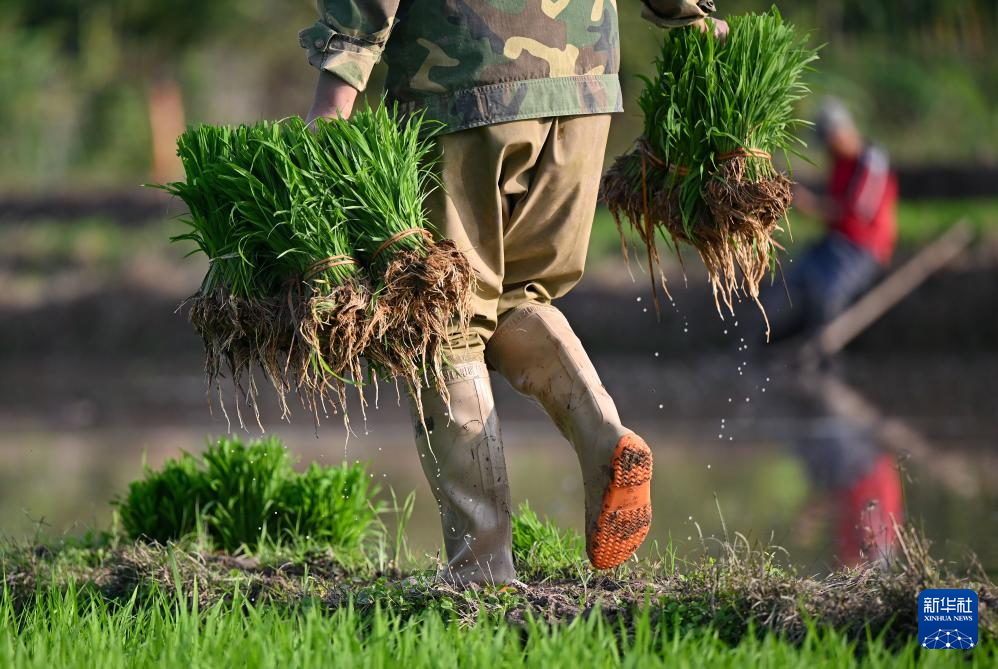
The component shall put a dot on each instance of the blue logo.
(947, 619)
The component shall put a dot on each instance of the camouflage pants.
(518, 199)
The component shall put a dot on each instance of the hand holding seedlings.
(718, 26)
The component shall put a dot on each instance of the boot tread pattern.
(626, 516)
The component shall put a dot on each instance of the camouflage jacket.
(478, 62)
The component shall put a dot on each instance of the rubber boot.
(535, 349)
(461, 454)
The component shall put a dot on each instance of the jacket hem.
(535, 98)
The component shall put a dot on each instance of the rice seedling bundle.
(319, 253)
(382, 176)
(702, 174)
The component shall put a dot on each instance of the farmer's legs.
(482, 170)
(547, 236)
(519, 200)
(838, 273)
(460, 450)
(535, 349)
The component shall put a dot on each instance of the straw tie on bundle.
(399, 236)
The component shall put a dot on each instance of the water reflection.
(855, 479)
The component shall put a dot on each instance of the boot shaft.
(460, 450)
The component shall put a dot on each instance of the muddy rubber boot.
(535, 349)
(464, 464)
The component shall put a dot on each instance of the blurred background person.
(858, 208)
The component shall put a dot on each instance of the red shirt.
(864, 191)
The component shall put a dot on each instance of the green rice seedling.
(248, 496)
(329, 299)
(702, 173)
(541, 548)
(379, 167)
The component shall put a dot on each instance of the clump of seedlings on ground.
(320, 253)
(702, 174)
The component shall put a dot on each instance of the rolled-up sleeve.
(349, 37)
(676, 13)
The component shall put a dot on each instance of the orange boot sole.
(626, 514)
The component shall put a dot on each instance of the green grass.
(541, 547)
(70, 629)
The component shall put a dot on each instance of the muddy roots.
(312, 343)
(332, 331)
(734, 236)
(309, 344)
(240, 335)
(422, 299)
(746, 213)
